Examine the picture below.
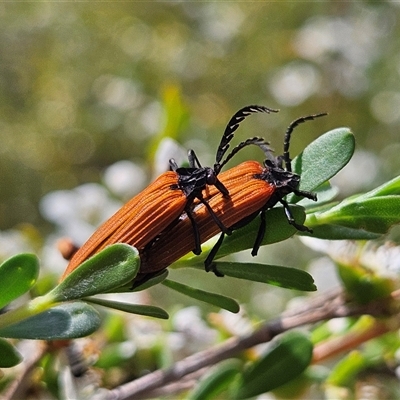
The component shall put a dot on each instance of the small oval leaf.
(65, 321)
(290, 278)
(109, 269)
(17, 275)
(323, 158)
(150, 311)
(9, 355)
(211, 298)
(217, 380)
(288, 358)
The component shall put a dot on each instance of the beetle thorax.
(284, 181)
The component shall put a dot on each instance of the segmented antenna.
(233, 124)
(289, 130)
(258, 141)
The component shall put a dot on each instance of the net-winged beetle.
(161, 204)
(253, 189)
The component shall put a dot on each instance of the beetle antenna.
(289, 130)
(260, 142)
(230, 129)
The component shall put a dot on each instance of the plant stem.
(33, 307)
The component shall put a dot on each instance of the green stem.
(33, 307)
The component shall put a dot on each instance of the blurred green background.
(83, 85)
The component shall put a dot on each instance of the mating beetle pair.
(172, 217)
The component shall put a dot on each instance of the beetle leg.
(221, 226)
(196, 233)
(193, 160)
(291, 220)
(308, 195)
(173, 165)
(221, 187)
(209, 265)
(260, 234)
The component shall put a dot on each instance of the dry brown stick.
(338, 345)
(184, 384)
(320, 308)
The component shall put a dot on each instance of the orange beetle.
(253, 189)
(159, 205)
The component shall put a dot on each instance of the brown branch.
(184, 384)
(333, 347)
(320, 308)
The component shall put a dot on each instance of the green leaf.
(286, 359)
(337, 232)
(114, 266)
(217, 380)
(17, 275)
(324, 192)
(366, 216)
(150, 311)
(9, 355)
(388, 188)
(148, 282)
(375, 215)
(323, 158)
(65, 321)
(286, 277)
(211, 298)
